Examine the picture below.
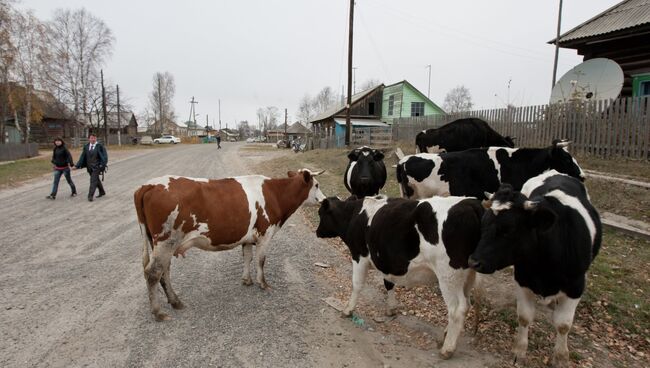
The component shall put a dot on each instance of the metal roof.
(340, 108)
(624, 15)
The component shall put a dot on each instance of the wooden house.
(620, 33)
(127, 124)
(402, 99)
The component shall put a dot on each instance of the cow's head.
(308, 178)
(366, 171)
(509, 229)
(333, 221)
(562, 161)
(510, 141)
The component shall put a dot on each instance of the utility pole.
(160, 107)
(348, 124)
(220, 114)
(104, 108)
(557, 43)
(286, 137)
(119, 121)
(429, 89)
(354, 79)
(508, 101)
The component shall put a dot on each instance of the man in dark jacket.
(94, 158)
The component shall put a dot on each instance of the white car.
(167, 139)
(250, 140)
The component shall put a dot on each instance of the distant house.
(402, 99)
(127, 124)
(50, 119)
(274, 135)
(231, 135)
(620, 33)
(298, 131)
(195, 130)
(365, 111)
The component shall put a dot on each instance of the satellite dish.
(595, 79)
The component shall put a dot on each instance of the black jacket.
(103, 156)
(61, 157)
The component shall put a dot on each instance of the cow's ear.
(378, 155)
(291, 174)
(542, 218)
(353, 155)
(325, 204)
(306, 175)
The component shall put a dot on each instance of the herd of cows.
(477, 205)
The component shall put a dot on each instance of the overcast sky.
(257, 53)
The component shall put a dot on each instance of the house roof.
(125, 118)
(363, 123)
(337, 109)
(622, 16)
(298, 128)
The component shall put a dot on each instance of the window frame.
(417, 104)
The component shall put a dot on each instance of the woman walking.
(62, 161)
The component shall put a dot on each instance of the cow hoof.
(178, 305)
(520, 361)
(265, 286)
(446, 354)
(346, 313)
(160, 316)
(247, 282)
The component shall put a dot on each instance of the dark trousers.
(57, 178)
(95, 183)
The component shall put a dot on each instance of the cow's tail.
(138, 199)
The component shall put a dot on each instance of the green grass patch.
(619, 281)
(12, 174)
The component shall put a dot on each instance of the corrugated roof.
(626, 14)
(298, 128)
(340, 108)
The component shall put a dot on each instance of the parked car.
(167, 139)
(250, 140)
(146, 140)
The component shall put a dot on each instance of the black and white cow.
(460, 135)
(410, 243)
(551, 233)
(366, 173)
(479, 170)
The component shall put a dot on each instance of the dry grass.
(633, 169)
(612, 326)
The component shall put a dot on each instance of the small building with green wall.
(402, 99)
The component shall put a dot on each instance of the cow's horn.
(318, 173)
(488, 195)
(399, 153)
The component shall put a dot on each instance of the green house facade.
(402, 99)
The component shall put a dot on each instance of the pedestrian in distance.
(95, 159)
(61, 161)
(219, 140)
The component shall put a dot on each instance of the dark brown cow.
(178, 213)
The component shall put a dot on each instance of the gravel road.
(72, 292)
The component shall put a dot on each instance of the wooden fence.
(613, 128)
(15, 151)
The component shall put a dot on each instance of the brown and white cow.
(177, 213)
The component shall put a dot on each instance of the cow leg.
(391, 300)
(247, 251)
(166, 283)
(452, 287)
(260, 255)
(563, 320)
(158, 264)
(525, 316)
(359, 273)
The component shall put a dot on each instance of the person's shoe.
(101, 195)
(73, 194)
(90, 199)
(51, 197)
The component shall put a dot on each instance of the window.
(371, 108)
(391, 104)
(417, 108)
(644, 88)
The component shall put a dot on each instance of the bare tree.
(79, 44)
(369, 84)
(161, 100)
(29, 40)
(458, 100)
(306, 109)
(7, 57)
(244, 128)
(325, 99)
(268, 118)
